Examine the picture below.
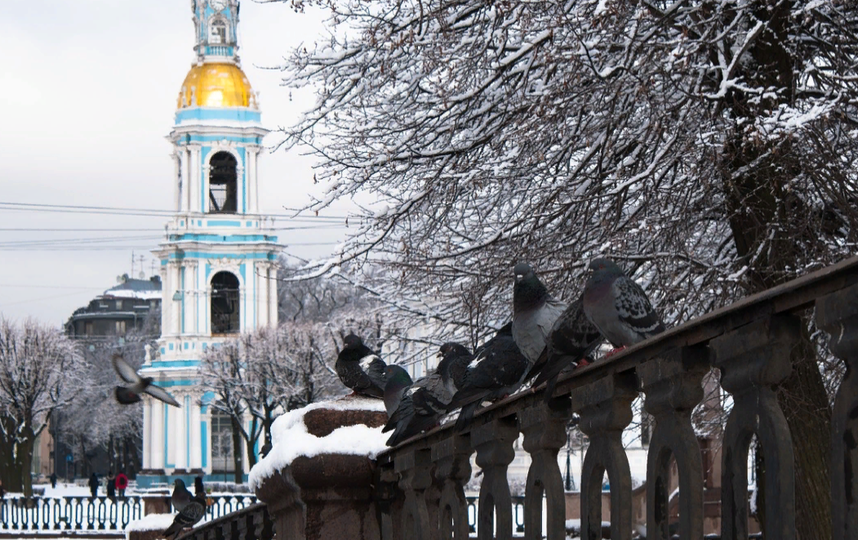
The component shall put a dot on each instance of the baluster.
(837, 314)
(753, 359)
(493, 442)
(388, 499)
(415, 470)
(452, 458)
(605, 407)
(672, 384)
(544, 430)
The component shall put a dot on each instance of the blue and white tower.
(218, 260)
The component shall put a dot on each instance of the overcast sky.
(87, 95)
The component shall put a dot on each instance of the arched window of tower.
(222, 184)
(225, 306)
(217, 31)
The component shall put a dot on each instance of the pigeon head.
(451, 349)
(126, 396)
(396, 377)
(178, 482)
(528, 292)
(505, 330)
(352, 341)
(606, 266)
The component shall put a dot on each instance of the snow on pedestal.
(149, 527)
(317, 480)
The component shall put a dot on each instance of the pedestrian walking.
(111, 486)
(121, 483)
(54, 480)
(93, 485)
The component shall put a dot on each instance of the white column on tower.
(178, 431)
(272, 294)
(147, 434)
(156, 460)
(196, 443)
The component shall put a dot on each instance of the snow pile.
(290, 438)
(152, 522)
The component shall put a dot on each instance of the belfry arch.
(223, 183)
(225, 304)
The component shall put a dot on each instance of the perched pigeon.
(422, 404)
(360, 369)
(572, 338)
(181, 496)
(533, 312)
(127, 395)
(453, 365)
(199, 489)
(398, 381)
(496, 371)
(188, 516)
(618, 307)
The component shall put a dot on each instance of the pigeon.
(618, 307)
(127, 395)
(181, 496)
(496, 371)
(533, 312)
(422, 404)
(453, 366)
(360, 369)
(199, 489)
(398, 381)
(188, 516)
(572, 338)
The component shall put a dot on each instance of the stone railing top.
(794, 295)
(349, 425)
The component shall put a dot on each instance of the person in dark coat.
(93, 485)
(111, 486)
(54, 480)
(121, 483)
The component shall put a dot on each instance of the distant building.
(118, 311)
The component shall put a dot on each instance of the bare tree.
(40, 370)
(711, 146)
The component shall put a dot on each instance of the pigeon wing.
(374, 366)
(124, 370)
(159, 393)
(634, 308)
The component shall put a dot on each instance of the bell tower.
(219, 254)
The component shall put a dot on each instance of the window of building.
(119, 304)
(222, 184)
(88, 328)
(119, 327)
(225, 304)
(217, 32)
(222, 451)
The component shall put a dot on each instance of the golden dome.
(216, 85)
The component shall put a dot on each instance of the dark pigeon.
(398, 381)
(127, 395)
(573, 337)
(360, 369)
(618, 307)
(188, 516)
(181, 496)
(534, 312)
(453, 366)
(496, 371)
(199, 489)
(420, 408)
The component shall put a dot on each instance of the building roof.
(147, 289)
(216, 85)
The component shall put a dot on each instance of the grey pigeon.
(618, 307)
(398, 381)
(496, 371)
(188, 516)
(534, 312)
(422, 404)
(572, 338)
(360, 369)
(127, 395)
(199, 489)
(181, 496)
(453, 366)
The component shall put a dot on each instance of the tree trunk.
(25, 459)
(238, 476)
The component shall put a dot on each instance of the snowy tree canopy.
(708, 146)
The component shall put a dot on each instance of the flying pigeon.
(360, 369)
(533, 312)
(618, 307)
(188, 516)
(496, 371)
(572, 338)
(181, 496)
(422, 404)
(398, 381)
(127, 395)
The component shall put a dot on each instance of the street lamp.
(568, 485)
